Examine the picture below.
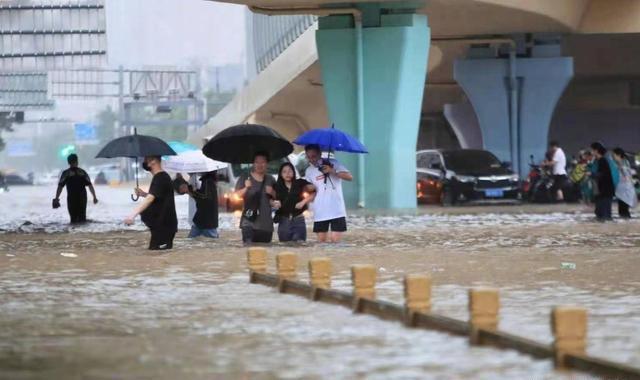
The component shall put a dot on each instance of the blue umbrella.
(181, 147)
(331, 139)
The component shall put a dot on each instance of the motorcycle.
(539, 184)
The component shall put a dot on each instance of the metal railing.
(273, 34)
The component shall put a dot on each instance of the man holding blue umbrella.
(329, 211)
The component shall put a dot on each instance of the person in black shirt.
(205, 219)
(75, 180)
(291, 199)
(604, 183)
(158, 210)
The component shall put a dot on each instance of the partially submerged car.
(454, 176)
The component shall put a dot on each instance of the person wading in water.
(158, 210)
(75, 180)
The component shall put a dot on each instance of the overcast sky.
(174, 32)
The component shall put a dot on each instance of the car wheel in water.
(446, 198)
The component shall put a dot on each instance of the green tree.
(5, 125)
(106, 123)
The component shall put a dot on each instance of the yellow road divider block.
(257, 259)
(484, 305)
(417, 293)
(320, 272)
(363, 278)
(286, 264)
(569, 327)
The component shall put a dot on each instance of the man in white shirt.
(329, 211)
(558, 163)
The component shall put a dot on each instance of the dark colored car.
(16, 180)
(453, 176)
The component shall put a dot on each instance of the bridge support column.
(514, 100)
(373, 74)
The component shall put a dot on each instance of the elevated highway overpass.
(497, 74)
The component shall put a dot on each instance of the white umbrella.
(192, 162)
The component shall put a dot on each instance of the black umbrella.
(135, 146)
(239, 144)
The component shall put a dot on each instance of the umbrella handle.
(135, 197)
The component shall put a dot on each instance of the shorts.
(337, 225)
(559, 182)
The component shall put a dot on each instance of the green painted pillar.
(393, 68)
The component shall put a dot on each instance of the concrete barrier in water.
(417, 293)
(568, 324)
(257, 259)
(320, 272)
(484, 305)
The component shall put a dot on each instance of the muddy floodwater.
(89, 302)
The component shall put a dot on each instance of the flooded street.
(91, 302)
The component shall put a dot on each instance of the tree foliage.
(5, 125)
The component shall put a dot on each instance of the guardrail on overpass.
(273, 34)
